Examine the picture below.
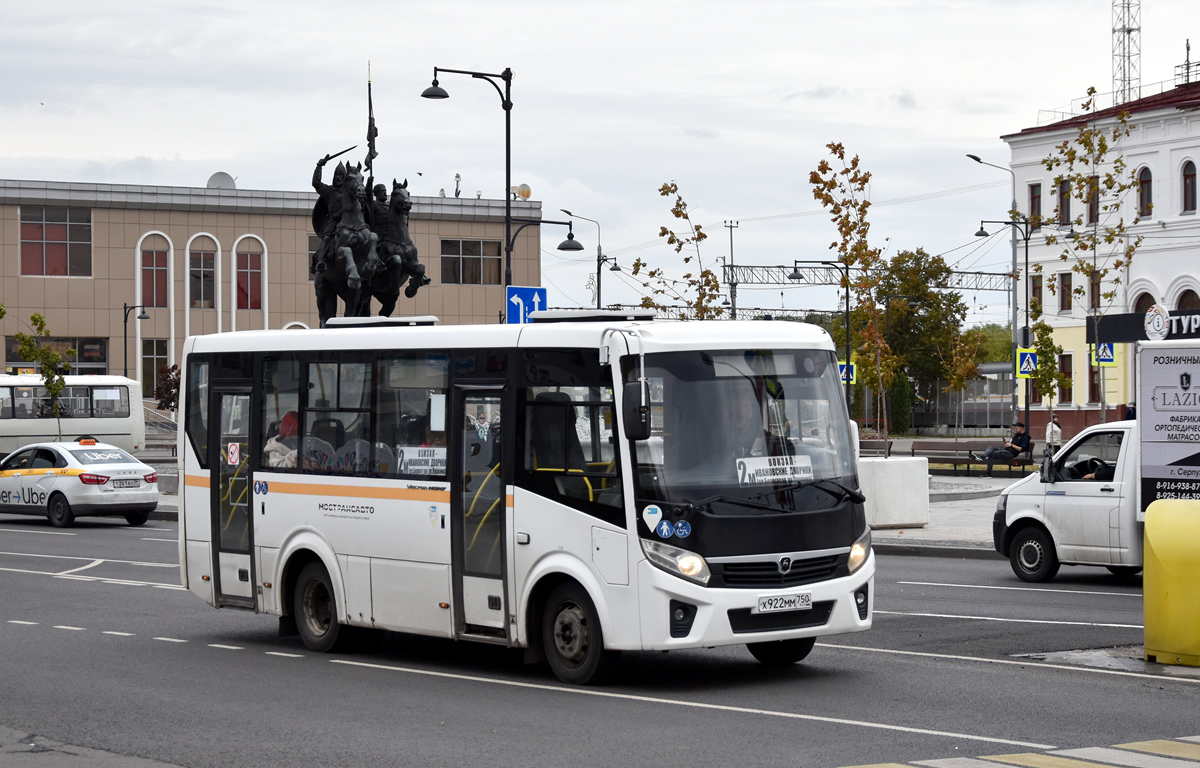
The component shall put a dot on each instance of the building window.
(1064, 202)
(1035, 394)
(1094, 291)
(471, 262)
(202, 278)
(1189, 187)
(1035, 205)
(1035, 291)
(154, 278)
(1093, 199)
(1188, 300)
(1143, 303)
(249, 281)
(1065, 299)
(1145, 193)
(91, 354)
(314, 242)
(56, 241)
(154, 357)
(1093, 383)
(1065, 363)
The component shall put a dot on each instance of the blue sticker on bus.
(260, 486)
(683, 529)
(665, 530)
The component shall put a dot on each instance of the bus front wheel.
(780, 653)
(315, 609)
(572, 638)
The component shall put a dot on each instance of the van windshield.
(746, 426)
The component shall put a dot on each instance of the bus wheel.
(1033, 557)
(315, 609)
(572, 638)
(59, 512)
(137, 518)
(780, 653)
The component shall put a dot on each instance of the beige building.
(207, 260)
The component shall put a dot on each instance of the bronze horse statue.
(353, 246)
(398, 256)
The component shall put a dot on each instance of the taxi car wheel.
(315, 609)
(573, 640)
(1124, 571)
(59, 512)
(780, 653)
(1033, 557)
(138, 518)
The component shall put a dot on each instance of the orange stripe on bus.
(196, 481)
(359, 492)
(508, 500)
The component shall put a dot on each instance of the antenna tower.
(1127, 50)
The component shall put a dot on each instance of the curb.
(921, 549)
(983, 493)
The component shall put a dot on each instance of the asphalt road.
(113, 655)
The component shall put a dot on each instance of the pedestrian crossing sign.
(1104, 355)
(1027, 363)
(849, 373)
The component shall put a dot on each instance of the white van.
(1079, 509)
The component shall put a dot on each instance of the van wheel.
(1033, 557)
(573, 639)
(59, 512)
(1124, 571)
(137, 518)
(780, 653)
(315, 610)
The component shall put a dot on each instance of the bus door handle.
(522, 538)
(1107, 489)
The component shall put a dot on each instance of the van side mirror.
(635, 417)
(1047, 470)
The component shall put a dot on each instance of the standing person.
(1053, 436)
(1131, 411)
(1009, 450)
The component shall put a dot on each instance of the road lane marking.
(73, 577)
(285, 655)
(1131, 759)
(176, 640)
(26, 623)
(689, 704)
(75, 557)
(44, 533)
(226, 647)
(882, 765)
(173, 541)
(118, 634)
(92, 564)
(1021, 589)
(73, 629)
(956, 762)
(1033, 664)
(170, 586)
(1164, 747)
(1013, 621)
(1042, 761)
(1190, 738)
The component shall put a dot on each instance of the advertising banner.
(1169, 421)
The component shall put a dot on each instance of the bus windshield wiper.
(838, 489)
(731, 500)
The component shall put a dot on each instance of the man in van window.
(1009, 449)
(1105, 472)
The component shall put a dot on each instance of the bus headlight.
(859, 551)
(680, 562)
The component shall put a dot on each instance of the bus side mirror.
(1047, 471)
(635, 417)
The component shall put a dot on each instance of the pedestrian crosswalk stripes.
(1181, 752)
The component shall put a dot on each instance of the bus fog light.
(859, 551)
(677, 561)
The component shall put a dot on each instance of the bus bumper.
(677, 614)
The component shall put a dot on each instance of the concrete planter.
(897, 491)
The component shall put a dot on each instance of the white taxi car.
(65, 480)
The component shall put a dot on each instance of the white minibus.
(107, 408)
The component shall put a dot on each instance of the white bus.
(107, 408)
(571, 488)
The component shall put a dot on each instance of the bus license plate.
(775, 603)
(126, 483)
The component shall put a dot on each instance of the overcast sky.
(734, 101)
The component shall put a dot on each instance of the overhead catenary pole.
(732, 225)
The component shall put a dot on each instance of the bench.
(958, 452)
(872, 447)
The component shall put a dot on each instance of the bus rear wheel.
(780, 653)
(573, 639)
(59, 512)
(315, 609)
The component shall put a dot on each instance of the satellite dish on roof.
(221, 180)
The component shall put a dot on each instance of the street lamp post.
(435, 91)
(1023, 227)
(600, 257)
(143, 316)
(1013, 213)
(796, 275)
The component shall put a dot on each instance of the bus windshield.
(745, 431)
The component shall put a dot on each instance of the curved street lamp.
(142, 316)
(600, 257)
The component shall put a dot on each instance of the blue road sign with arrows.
(521, 300)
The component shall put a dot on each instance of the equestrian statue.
(397, 253)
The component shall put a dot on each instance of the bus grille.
(766, 575)
(741, 620)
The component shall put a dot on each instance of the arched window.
(202, 261)
(1143, 303)
(1189, 187)
(249, 275)
(1188, 300)
(1145, 193)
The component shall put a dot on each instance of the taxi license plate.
(776, 603)
(126, 483)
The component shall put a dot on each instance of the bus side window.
(280, 412)
(25, 405)
(337, 419)
(6, 403)
(410, 402)
(196, 420)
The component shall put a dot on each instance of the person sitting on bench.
(1008, 451)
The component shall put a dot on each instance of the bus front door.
(229, 443)
(479, 513)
